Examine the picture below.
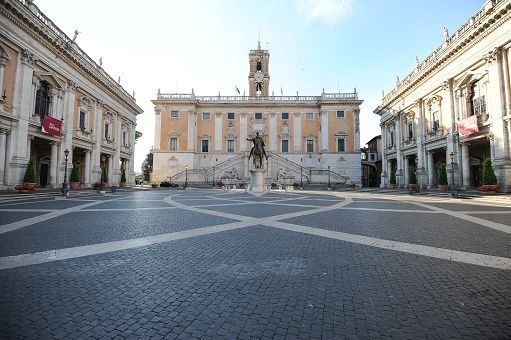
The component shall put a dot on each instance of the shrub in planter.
(392, 180)
(123, 178)
(489, 178)
(442, 179)
(412, 178)
(29, 173)
(74, 179)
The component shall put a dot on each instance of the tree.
(412, 178)
(138, 134)
(29, 172)
(442, 176)
(147, 166)
(75, 177)
(489, 177)
(104, 176)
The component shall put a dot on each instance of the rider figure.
(257, 140)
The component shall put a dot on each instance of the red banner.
(468, 126)
(52, 126)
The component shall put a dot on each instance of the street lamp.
(418, 173)
(102, 178)
(301, 173)
(453, 194)
(64, 184)
(186, 176)
(329, 177)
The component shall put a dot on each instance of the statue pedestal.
(257, 180)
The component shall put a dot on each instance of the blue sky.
(314, 44)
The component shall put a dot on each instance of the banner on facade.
(52, 126)
(468, 126)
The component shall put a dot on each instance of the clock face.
(258, 76)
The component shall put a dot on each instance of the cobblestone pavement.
(214, 264)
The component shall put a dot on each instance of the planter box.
(443, 187)
(74, 185)
(489, 189)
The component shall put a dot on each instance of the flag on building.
(238, 90)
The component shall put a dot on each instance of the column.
(157, 128)
(431, 169)
(218, 131)
(399, 154)
(384, 169)
(507, 91)
(243, 133)
(297, 131)
(21, 108)
(465, 159)
(356, 114)
(192, 130)
(407, 173)
(96, 151)
(53, 164)
(110, 161)
(86, 175)
(117, 154)
(3, 151)
(131, 164)
(3, 62)
(496, 110)
(29, 146)
(273, 132)
(324, 131)
(389, 171)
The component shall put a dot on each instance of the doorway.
(43, 174)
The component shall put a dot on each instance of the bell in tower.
(259, 76)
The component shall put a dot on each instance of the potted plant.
(123, 182)
(29, 181)
(392, 180)
(74, 179)
(442, 179)
(412, 179)
(489, 186)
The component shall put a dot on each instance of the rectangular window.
(258, 116)
(372, 157)
(124, 138)
(230, 115)
(410, 130)
(310, 145)
(391, 138)
(285, 145)
(285, 115)
(436, 121)
(341, 145)
(205, 116)
(230, 145)
(340, 114)
(309, 116)
(479, 105)
(82, 120)
(174, 114)
(173, 144)
(205, 145)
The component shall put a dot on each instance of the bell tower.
(259, 76)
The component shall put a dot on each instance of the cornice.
(447, 54)
(32, 25)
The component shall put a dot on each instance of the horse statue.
(257, 151)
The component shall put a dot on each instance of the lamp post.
(301, 173)
(186, 176)
(329, 177)
(418, 173)
(102, 178)
(453, 194)
(64, 184)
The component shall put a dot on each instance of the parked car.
(168, 184)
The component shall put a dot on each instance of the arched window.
(42, 99)
(258, 66)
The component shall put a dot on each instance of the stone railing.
(205, 99)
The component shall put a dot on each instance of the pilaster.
(297, 131)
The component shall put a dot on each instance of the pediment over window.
(85, 101)
(51, 79)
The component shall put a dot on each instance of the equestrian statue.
(257, 151)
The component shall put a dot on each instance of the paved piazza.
(213, 264)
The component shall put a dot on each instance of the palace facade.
(55, 97)
(453, 109)
(307, 138)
